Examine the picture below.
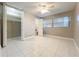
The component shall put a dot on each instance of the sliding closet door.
(1, 24)
(13, 23)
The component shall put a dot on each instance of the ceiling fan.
(45, 7)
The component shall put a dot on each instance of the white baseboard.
(59, 37)
(30, 37)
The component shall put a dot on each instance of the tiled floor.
(40, 47)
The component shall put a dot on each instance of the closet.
(10, 23)
(13, 23)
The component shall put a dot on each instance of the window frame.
(69, 22)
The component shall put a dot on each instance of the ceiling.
(33, 7)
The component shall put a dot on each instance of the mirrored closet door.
(13, 23)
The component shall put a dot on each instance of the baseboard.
(59, 37)
(30, 37)
(76, 45)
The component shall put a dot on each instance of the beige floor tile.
(40, 47)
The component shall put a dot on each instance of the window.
(61, 22)
(47, 23)
(57, 22)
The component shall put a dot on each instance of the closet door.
(1, 24)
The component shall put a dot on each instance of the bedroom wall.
(63, 32)
(28, 25)
(76, 32)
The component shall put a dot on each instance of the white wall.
(61, 31)
(76, 36)
(28, 25)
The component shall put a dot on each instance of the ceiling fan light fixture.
(44, 11)
(45, 7)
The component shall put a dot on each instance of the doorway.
(13, 23)
(39, 26)
(10, 23)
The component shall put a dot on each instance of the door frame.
(4, 41)
(2, 27)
